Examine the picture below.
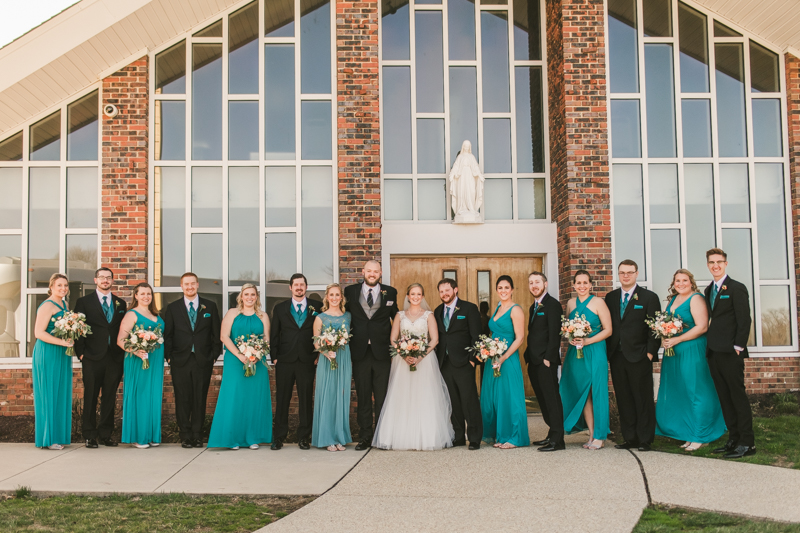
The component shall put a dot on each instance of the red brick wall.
(793, 122)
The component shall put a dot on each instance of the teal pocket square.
(724, 296)
(540, 314)
(460, 317)
(637, 307)
(207, 315)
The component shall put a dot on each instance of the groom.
(459, 324)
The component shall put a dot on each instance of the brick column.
(579, 176)
(124, 188)
(793, 122)
(358, 136)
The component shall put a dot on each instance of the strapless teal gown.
(243, 415)
(505, 418)
(581, 377)
(688, 407)
(52, 389)
(333, 391)
(142, 392)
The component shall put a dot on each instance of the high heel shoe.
(595, 446)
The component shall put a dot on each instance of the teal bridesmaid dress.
(52, 389)
(505, 418)
(243, 415)
(142, 391)
(580, 377)
(688, 407)
(333, 391)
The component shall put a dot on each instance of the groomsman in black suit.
(632, 349)
(372, 307)
(459, 324)
(543, 357)
(191, 345)
(101, 358)
(728, 331)
(292, 350)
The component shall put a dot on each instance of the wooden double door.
(476, 277)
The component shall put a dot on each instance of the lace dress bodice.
(418, 326)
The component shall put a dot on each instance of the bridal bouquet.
(576, 328)
(665, 326)
(254, 349)
(71, 326)
(144, 339)
(410, 345)
(488, 348)
(330, 340)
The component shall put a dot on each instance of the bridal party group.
(414, 370)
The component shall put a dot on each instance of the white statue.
(466, 187)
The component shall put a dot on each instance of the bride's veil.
(423, 304)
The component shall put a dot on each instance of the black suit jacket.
(730, 318)
(630, 334)
(288, 342)
(544, 332)
(102, 341)
(179, 336)
(463, 333)
(372, 332)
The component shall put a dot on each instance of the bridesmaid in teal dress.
(505, 419)
(688, 407)
(243, 416)
(584, 382)
(142, 389)
(52, 371)
(331, 428)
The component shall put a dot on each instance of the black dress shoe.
(457, 443)
(645, 447)
(364, 445)
(740, 451)
(474, 445)
(91, 443)
(304, 445)
(186, 443)
(277, 444)
(543, 442)
(197, 443)
(625, 446)
(728, 448)
(553, 447)
(109, 442)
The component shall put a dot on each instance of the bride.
(416, 413)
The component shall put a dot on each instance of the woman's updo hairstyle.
(504, 277)
(581, 272)
(53, 279)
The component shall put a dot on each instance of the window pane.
(45, 140)
(315, 130)
(771, 213)
(397, 120)
(626, 136)
(315, 47)
(721, 30)
(527, 37)
(428, 1)
(497, 199)
(767, 128)
(660, 100)
(207, 264)
(532, 199)
(622, 41)
(430, 68)
(281, 257)
(530, 119)
(497, 145)
(395, 30)
(730, 99)
(243, 50)
(170, 131)
(628, 200)
(432, 199)
(81, 265)
(171, 70)
(494, 61)
(243, 130)
(11, 148)
(43, 226)
(737, 244)
(698, 183)
(279, 101)
(11, 199)
(207, 197)
(281, 196)
(693, 36)
(461, 29)
(665, 246)
(776, 321)
(399, 208)
(169, 226)
(696, 115)
(430, 146)
(207, 102)
(463, 110)
(10, 315)
(279, 19)
(663, 182)
(657, 15)
(82, 193)
(82, 129)
(764, 70)
(212, 30)
(243, 226)
(317, 220)
(734, 193)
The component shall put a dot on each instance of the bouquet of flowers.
(254, 349)
(488, 348)
(665, 326)
(71, 326)
(330, 340)
(409, 345)
(144, 339)
(575, 328)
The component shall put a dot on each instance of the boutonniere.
(313, 311)
(455, 310)
(202, 307)
(383, 293)
(635, 296)
(116, 303)
(724, 288)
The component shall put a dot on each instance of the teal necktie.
(535, 308)
(714, 292)
(624, 305)
(446, 318)
(298, 315)
(192, 315)
(107, 309)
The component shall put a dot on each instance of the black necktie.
(370, 300)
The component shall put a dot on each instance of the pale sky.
(20, 16)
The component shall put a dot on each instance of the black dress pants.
(727, 371)
(190, 382)
(460, 381)
(100, 376)
(544, 380)
(633, 388)
(286, 376)
(371, 377)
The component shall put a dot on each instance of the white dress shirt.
(196, 302)
(100, 296)
(450, 308)
(629, 293)
(376, 291)
(303, 303)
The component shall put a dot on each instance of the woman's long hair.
(240, 301)
(135, 303)
(326, 304)
(672, 291)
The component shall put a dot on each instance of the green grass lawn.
(145, 514)
(663, 519)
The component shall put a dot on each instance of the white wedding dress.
(416, 413)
